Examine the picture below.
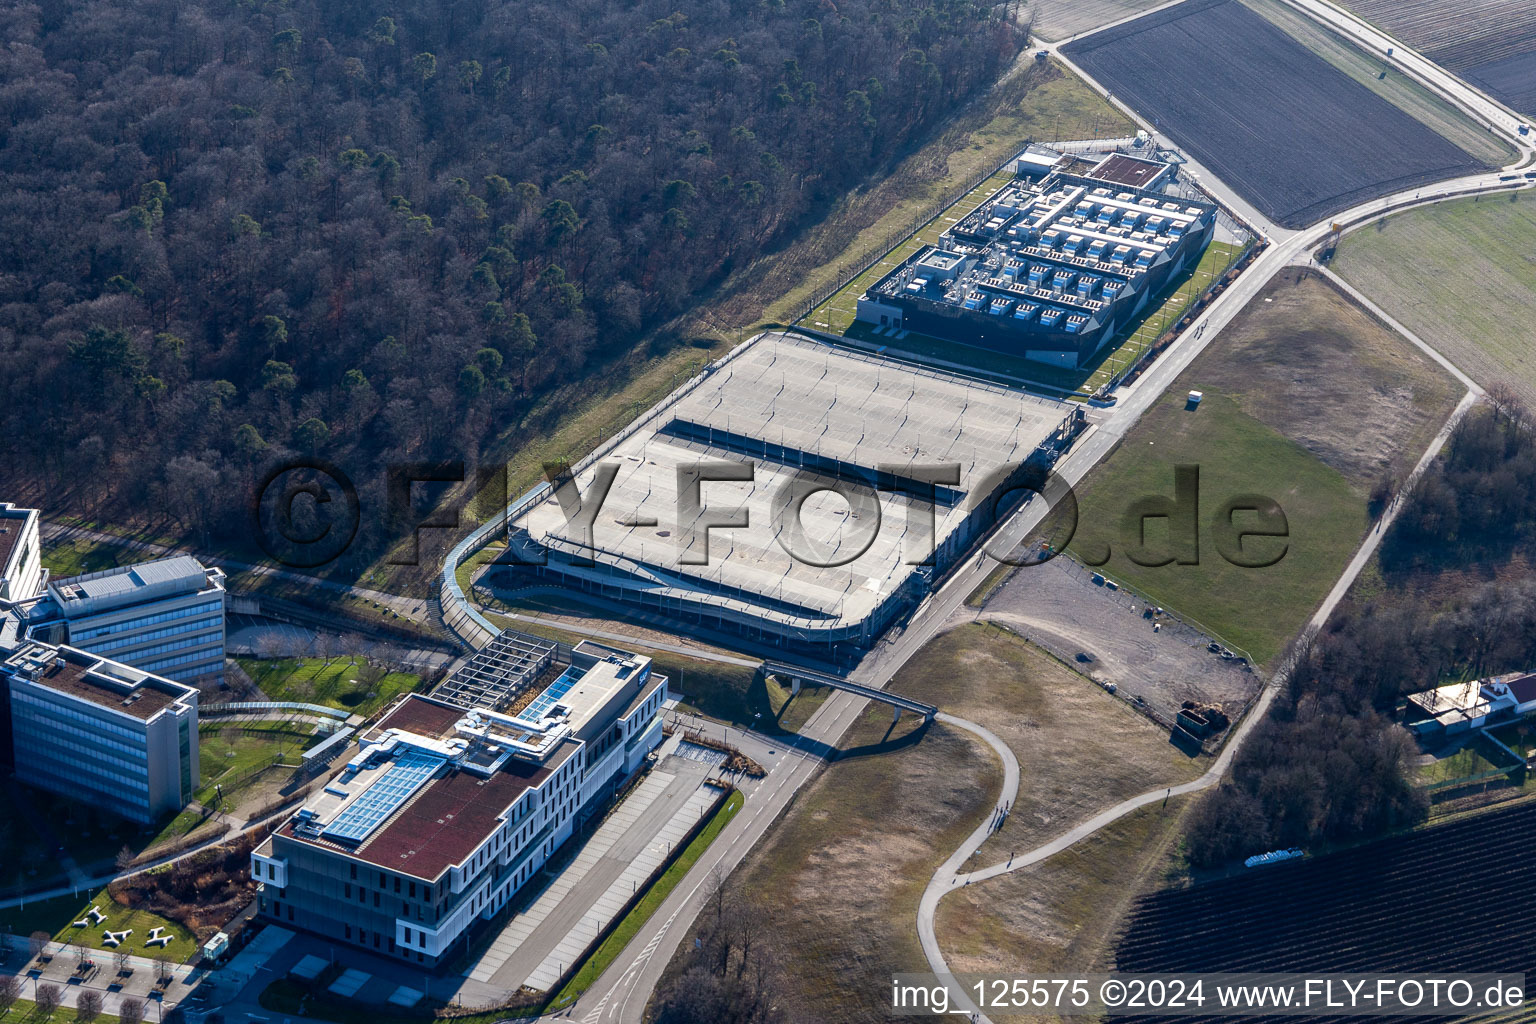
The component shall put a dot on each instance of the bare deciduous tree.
(1508, 403)
(732, 974)
(48, 997)
(87, 1005)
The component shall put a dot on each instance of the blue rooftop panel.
(534, 713)
(392, 789)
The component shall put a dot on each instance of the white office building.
(446, 810)
(21, 566)
(96, 730)
(165, 616)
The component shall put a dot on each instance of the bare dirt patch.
(1057, 606)
(1080, 750)
(842, 874)
(1060, 915)
(1308, 362)
(1058, 19)
(1275, 121)
(1488, 42)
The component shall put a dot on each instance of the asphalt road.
(1491, 112)
(619, 996)
(949, 877)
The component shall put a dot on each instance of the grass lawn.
(630, 926)
(1466, 762)
(1055, 20)
(837, 313)
(25, 1011)
(465, 573)
(236, 755)
(733, 694)
(68, 558)
(1459, 275)
(1306, 361)
(988, 586)
(1308, 401)
(57, 917)
(793, 710)
(1518, 736)
(1079, 749)
(571, 612)
(184, 824)
(1256, 609)
(341, 683)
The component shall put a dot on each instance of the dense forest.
(370, 231)
(1329, 764)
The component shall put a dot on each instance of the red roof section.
(447, 820)
(422, 716)
(1127, 170)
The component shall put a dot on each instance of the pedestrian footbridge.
(798, 676)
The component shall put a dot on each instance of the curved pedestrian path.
(949, 876)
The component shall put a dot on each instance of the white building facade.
(445, 813)
(164, 616)
(21, 566)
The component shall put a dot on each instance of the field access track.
(1451, 898)
(1297, 137)
(1490, 43)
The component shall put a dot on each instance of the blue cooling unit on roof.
(392, 789)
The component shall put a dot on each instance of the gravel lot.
(1057, 606)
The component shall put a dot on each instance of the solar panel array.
(534, 713)
(410, 770)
